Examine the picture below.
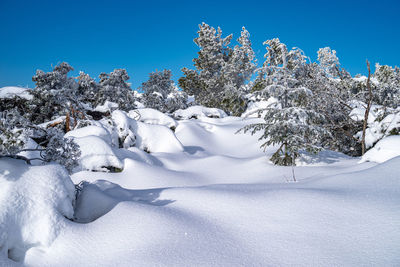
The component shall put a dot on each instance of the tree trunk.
(366, 114)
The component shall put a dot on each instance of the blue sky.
(142, 36)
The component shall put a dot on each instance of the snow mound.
(149, 137)
(97, 154)
(91, 130)
(33, 203)
(385, 149)
(108, 106)
(13, 91)
(126, 128)
(157, 138)
(254, 107)
(152, 116)
(195, 112)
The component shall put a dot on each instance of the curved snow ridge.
(34, 201)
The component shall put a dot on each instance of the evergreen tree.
(291, 123)
(55, 94)
(219, 68)
(114, 88)
(157, 89)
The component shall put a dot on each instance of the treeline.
(311, 103)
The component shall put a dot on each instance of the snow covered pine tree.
(289, 123)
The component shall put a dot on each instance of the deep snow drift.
(210, 197)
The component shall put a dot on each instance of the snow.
(206, 196)
(13, 91)
(108, 106)
(152, 116)
(91, 130)
(199, 111)
(254, 107)
(385, 149)
(96, 154)
(34, 201)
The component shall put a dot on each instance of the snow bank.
(33, 203)
(13, 91)
(195, 112)
(152, 116)
(385, 149)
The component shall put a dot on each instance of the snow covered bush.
(16, 131)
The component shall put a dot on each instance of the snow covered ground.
(220, 202)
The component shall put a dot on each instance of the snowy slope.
(219, 202)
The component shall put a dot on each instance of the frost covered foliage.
(15, 131)
(290, 123)
(61, 150)
(55, 94)
(114, 88)
(160, 93)
(12, 136)
(388, 90)
(219, 68)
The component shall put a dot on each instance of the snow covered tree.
(291, 123)
(388, 90)
(87, 89)
(55, 94)
(157, 89)
(114, 88)
(219, 68)
(177, 99)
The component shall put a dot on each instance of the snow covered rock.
(152, 116)
(13, 91)
(97, 154)
(34, 201)
(385, 149)
(157, 138)
(198, 112)
(91, 130)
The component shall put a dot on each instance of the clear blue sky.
(142, 36)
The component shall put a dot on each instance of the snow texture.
(152, 116)
(34, 201)
(13, 91)
(385, 149)
(195, 112)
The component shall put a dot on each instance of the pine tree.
(113, 87)
(55, 94)
(291, 123)
(219, 68)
